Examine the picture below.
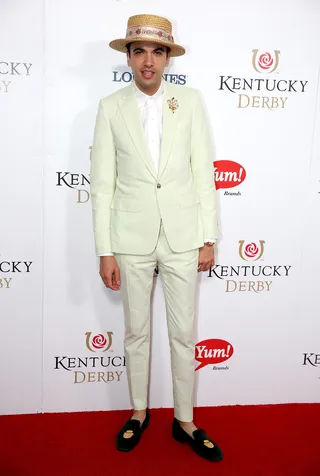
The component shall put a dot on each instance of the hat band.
(149, 32)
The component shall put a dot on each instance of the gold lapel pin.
(173, 104)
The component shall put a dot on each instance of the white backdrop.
(61, 331)
(21, 209)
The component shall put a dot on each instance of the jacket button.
(158, 185)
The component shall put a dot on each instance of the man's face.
(147, 61)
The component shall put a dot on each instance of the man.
(153, 200)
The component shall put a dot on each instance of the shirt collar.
(141, 96)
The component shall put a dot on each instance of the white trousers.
(178, 273)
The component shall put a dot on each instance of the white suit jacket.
(129, 198)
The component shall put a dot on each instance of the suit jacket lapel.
(129, 109)
(169, 127)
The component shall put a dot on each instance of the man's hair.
(163, 46)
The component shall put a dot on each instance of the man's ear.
(128, 59)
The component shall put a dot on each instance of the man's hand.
(206, 258)
(110, 272)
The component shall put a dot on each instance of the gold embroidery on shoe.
(208, 444)
(128, 434)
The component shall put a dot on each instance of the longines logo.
(12, 267)
(264, 63)
(248, 274)
(127, 77)
(10, 69)
(228, 174)
(96, 343)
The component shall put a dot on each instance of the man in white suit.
(153, 202)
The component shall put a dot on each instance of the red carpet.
(271, 440)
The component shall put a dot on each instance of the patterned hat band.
(149, 32)
(150, 28)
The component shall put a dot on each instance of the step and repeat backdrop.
(258, 308)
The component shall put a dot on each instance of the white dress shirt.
(150, 108)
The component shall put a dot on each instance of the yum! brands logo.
(267, 91)
(255, 275)
(101, 368)
(228, 174)
(213, 351)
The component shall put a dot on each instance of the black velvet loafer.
(200, 443)
(134, 427)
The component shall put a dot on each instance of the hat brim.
(120, 45)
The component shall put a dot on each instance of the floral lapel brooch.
(173, 104)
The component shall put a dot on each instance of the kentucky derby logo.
(10, 70)
(251, 252)
(255, 276)
(255, 91)
(10, 269)
(99, 342)
(265, 62)
(105, 368)
(75, 181)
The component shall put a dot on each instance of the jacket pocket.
(189, 201)
(125, 204)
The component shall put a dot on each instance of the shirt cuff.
(106, 254)
(210, 240)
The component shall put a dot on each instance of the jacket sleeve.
(202, 158)
(102, 180)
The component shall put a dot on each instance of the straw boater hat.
(148, 28)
